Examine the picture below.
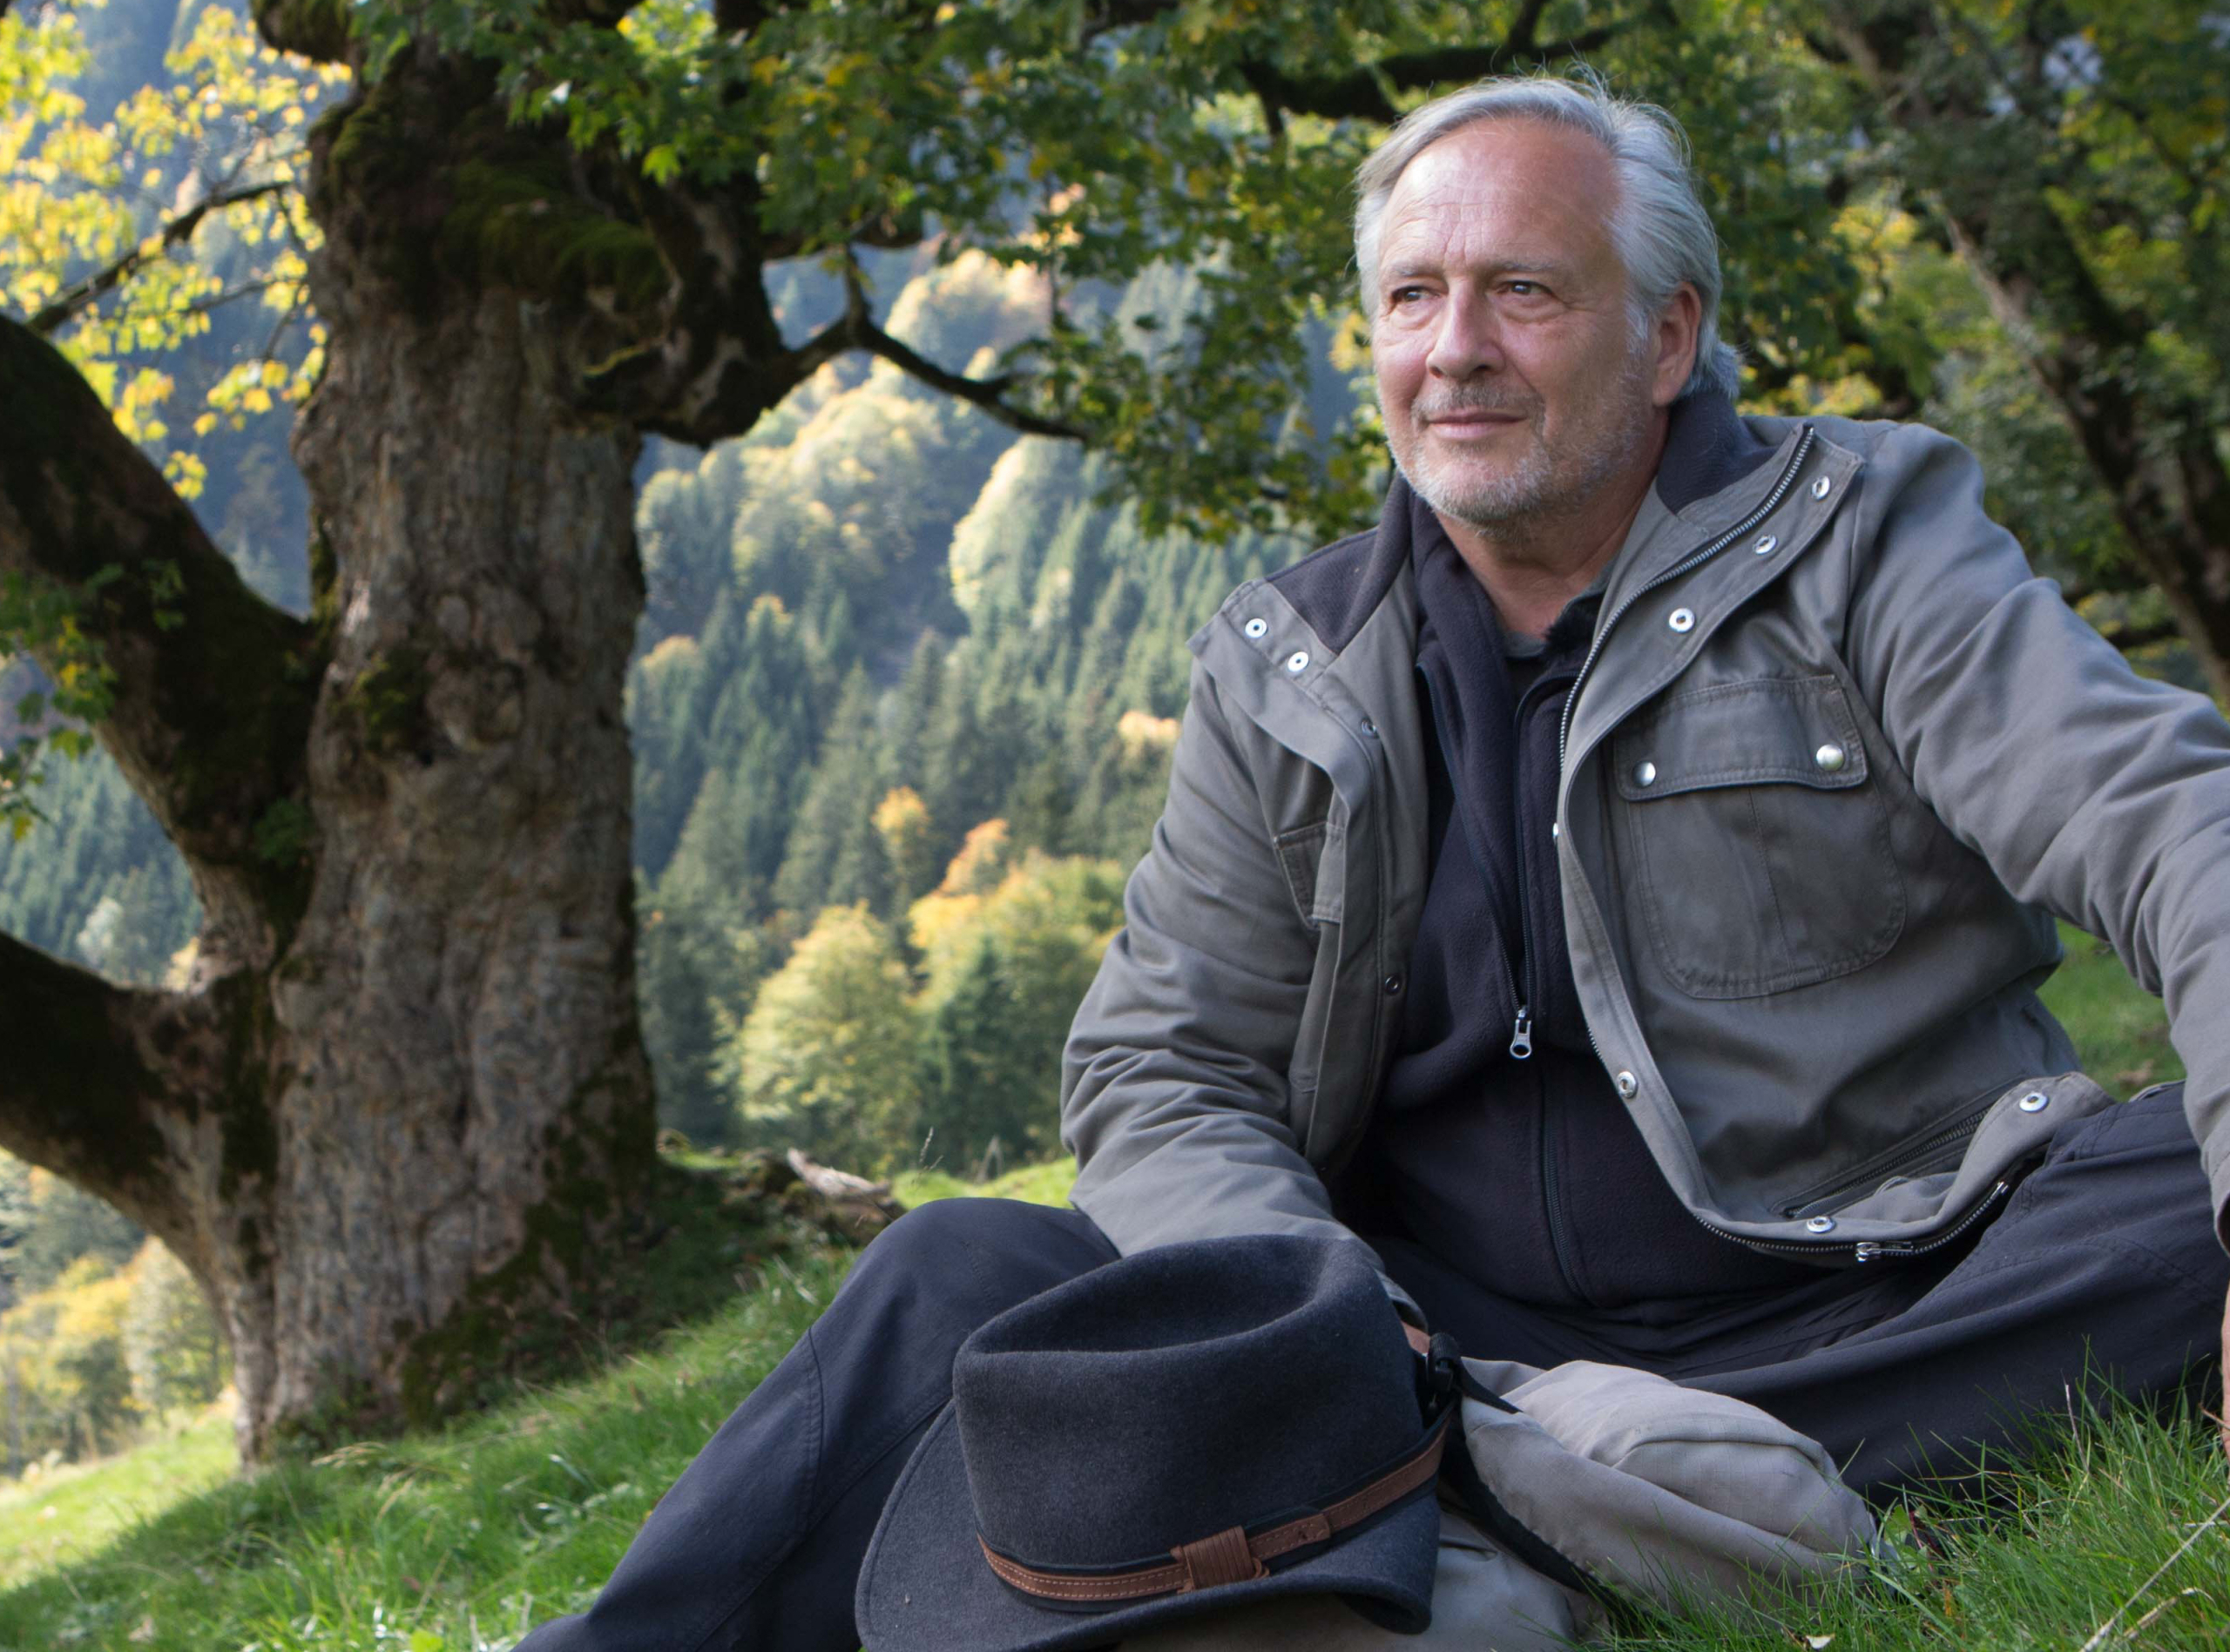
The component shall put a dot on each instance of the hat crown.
(1179, 1393)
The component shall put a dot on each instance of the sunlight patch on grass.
(69, 1512)
(1047, 1184)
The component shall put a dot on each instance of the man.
(1614, 891)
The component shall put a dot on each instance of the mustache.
(1454, 407)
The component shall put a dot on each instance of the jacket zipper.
(1918, 1153)
(1866, 1249)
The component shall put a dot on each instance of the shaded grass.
(2119, 1028)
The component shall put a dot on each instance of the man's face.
(1510, 376)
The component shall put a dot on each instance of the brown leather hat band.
(1231, 1556)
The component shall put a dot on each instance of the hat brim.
(925, 1587)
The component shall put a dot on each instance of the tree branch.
(1520, 38)
(855, 330)
(178, 229)
(1362, 93)
(213, 686)
(76, 1097)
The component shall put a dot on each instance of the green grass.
(2084, 1547)
(456, 1540)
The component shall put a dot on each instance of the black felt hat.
(1192, 1426)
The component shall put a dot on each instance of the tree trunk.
(403, 1100)
(403, 1103)
(457, 1087)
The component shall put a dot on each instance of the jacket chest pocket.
(1758, 844)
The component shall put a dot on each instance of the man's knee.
(2131, 1178)
(989, 1254)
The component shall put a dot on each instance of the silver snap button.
(1256, 628)
(1297, 662)
(1645, 773)
(1829, 757)
(1820, 1224)
(1393, 985)
(1627, 1084)
(1820, 487)
(1370, 728)
(1682, 619)
(1765, 546)
(1556, 829)
(2035, 1102)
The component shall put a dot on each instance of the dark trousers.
(2103, 1270)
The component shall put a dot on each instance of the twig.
(855, 330)
(2098, 1638)
(178, 229)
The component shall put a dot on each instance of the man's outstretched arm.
(2099, 795)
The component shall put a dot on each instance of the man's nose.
(1468, 339)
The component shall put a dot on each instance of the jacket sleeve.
(2093, 793)
(1173, 1092)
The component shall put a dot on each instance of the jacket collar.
(1710, 453)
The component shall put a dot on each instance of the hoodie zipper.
(1521, 1042)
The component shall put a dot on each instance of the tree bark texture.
(458, 1084)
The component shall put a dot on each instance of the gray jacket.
(1836, 760)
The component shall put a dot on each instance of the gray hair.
(1663, 235)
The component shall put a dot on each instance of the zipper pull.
(1869, 1249)
(1521, 1037)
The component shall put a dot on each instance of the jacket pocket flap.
(1794, 730)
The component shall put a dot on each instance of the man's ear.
(1674, 336)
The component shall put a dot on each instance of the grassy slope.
(442, 1542)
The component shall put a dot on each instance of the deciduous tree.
(403, 1092)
